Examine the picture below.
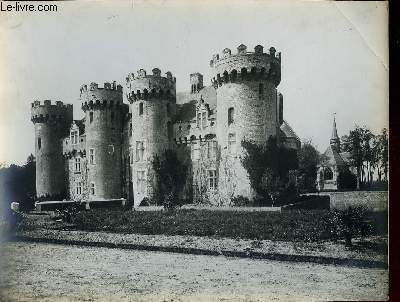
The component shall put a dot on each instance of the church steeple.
(335, 141)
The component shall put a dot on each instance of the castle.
(107, 155)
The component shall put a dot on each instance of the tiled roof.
(81, 125)
(186, 102)
(287, 131)
(333, 158)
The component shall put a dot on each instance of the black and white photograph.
(170, 150)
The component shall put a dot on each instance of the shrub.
(240, 201)
(347, 180)
(350, 222)
(310, 202)
(170, 179)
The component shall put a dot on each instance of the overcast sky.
(334, 56)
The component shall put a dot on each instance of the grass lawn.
(286, 226)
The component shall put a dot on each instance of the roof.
(333, 158)
(81, 125)
(186, 102)
(287, 131)
(186, 112)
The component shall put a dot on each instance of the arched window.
(328, 174)
(39, 143)
(231, 115)
(140, 108)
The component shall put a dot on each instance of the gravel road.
(47, 272)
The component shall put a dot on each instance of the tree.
(353, 144)
(350, 222)
(384, 151)
(170, 174)
(17, 183)
(308, 162)
(268, 166)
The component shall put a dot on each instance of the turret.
(196, 82)
(104, 115)
(335, 141)
(247, 103)
(51, 125)
(152, 101)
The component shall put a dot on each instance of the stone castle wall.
(152, 104)
(104, 116)
(126, 138)
(51, 124)
(247, 109)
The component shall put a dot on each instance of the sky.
(334, 56)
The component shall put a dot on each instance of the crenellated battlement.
(246, 66)
(141, 86)
(94, 96)
(48, 112)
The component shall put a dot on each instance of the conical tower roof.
(335, 141)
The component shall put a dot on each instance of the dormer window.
(74, 137)
(202, 119)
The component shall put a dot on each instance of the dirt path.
(49, 272)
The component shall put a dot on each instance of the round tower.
(104, 112)
(247, 106)
(51, 125)
(152, 101)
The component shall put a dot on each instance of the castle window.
(78, 188)
(74, 137)
(204, 120)
(91, 116)
(112, 117)
(328, 174)
(77, 164)
(261, 90)
(110, 149)
(195, 151)
(92, 188)
(130, 129)
(232, 143)
(92, 159)
(139, 151)
(170, 130)
(212, 179)
(231, 115)
(211, 149)
(140, 108)
(39, 143)
(141, 181)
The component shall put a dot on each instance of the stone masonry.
(108, 154)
